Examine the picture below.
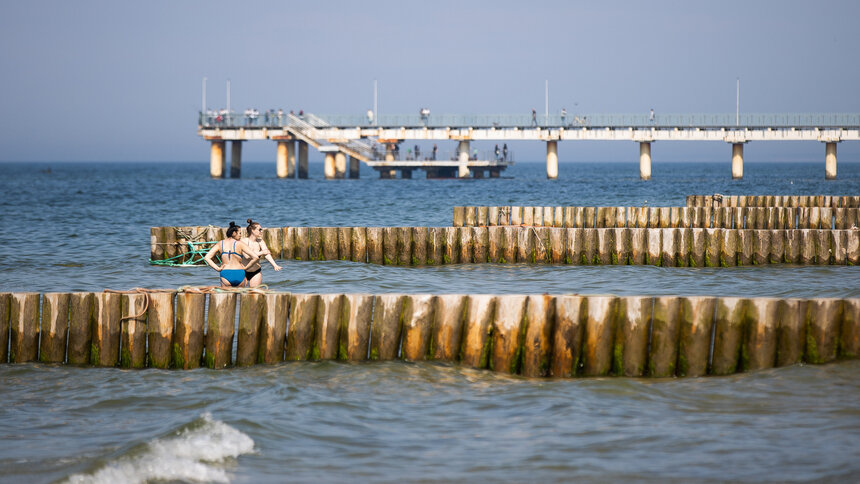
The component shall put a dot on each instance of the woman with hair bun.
(255, 241)
(234, 254)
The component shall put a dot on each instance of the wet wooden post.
(220, 330)
(358, 244)
(55, 325)
(480, 244)
(528, 216)
(713, 239)
(653, 217)
(465, 245)
(599, 337)
(274, 241)
(664, 216)
(300, 331)
(493, 216)
(729, 248)
(329, 244)
(159, 328)
(631, 339)
(696, 319)
(685, 244)
(815, 217)
(838, 247)
(760, 341)
(187, 347)
(568, 220)
(588, 217)
(852, 247)
(288, 240)
(541, 245)
(469, 219)
(355, 333)
(389, 245)
(375, 253)
(273, 328)
(525, 245)
(449, 313)
(80, 328)
(807, 246)
(824, 252)
(686, 221)
(386, 327)
(730, 324)
(481, 220)
(459, 216)
(419, 245)
(567, 337)
(605, 246)
(558, 217)
(665, 337)
(494, 244)
(451, 249)
(24, 326)
(638, 246)
(156, 250)
(435, 245)
(675, 217)
(417, 326)
(849, 333)
(776, 254)
(516, 215)
(327, 326)
(698, 247)
(315, 243)
(548, 217)
(791, 331)
(621, 250)
(5, 308)
(669, 247)
(171, 247)
(737, 218)
(506, 352)
(790, 218)
(655, 246)
(301, 241)
(556, 246)
(133, 330)
(539, 319)
(344, 243)
(251, 311)
(823, 324)
(106, 329)
(477, 331)
(745, 247)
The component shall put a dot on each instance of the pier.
(347, 140)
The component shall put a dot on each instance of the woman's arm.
(265, 251)
(247, 251)
(210, 254)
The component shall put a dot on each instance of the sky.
(122, 81)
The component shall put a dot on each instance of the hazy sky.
(118, 81)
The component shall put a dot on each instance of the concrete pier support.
(463, 157)
(286, 161)
(303, 159)
(830, 161)
(737, 161)
(216, 160)
(389, 152)
(340, 165)
(353, 168)
(328, 166)
(236, 159)
(645, 160)
(551, 160)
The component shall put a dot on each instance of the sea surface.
(85, 227)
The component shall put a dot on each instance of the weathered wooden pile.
(531, 335)
(718, 200)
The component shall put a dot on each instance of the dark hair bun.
(250, 221)
(233, 224)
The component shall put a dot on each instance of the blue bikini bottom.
(234, 276)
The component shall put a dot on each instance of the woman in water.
(234, 253)
(258, 245)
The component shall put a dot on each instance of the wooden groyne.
(668, 247)
(794, 201)
(660, 217)
(530, 335)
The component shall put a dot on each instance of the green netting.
(194, 257)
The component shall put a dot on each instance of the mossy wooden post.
(448, 314)
(273, 328)
(849, 333)
(507, 334)
(665, 337)
(525, 245)
(274, 241)
(220, 330)
(556, 245)
(451, 249)
(188, 339)
(745, 247)
(729, 248)
(375, 254)
(824, 319)
(696, 320)
(469, 217)
(538, 217)
(605, 246)
(730, 324)
(737, 218)
(578, 217)
(686, 221)
(5, 307)
(791, 246)
(713, 240)
(435, 245)
(823, 248)
(389, 245)
(696, 215)
(548, 220)
(838, 247)
(327, 326)
(459, 216)
(588, 218)
(638, 246)
(480, 244)
(568, 220)
(599, 337)
(781, 213)
(621, 248)
(315, 243)
(465, 244)
(516, 215)
(355, 333)
(24, 326)
(156, 250)
(685, 244)
(132, 352)
(698, 247)
(417, 326)
(106, 329)
(590, 247)
(760, 341)
(419, 245)
(852, 247)
(669, 247)
(171, 245)
(159, 328)
(288, 243)
(761, 247)
(791, 218)
(358, 244)
(776, 255)
(387, 326)
(653, 217)
(630, 353)
(542, 248)
(404, 246)
(807, 246)
(815, 217)
(344, 243)
(494, 244)
(655, 246)
(493, 216)
(558, 217)
(538, 321)
(567, 336)
(664, 217)
(54, 327)
(251, 311)
(803, 215)
(300, 331)
(330, 243)
(601, 217)
(528, 216)
(301, 250)
(477, 331)
(481, 218)
(761, 218)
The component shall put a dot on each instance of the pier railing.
(570, 120)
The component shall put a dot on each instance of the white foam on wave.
(191, 454)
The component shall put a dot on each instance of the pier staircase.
(306, 127)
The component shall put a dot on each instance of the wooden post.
(509, 245)
(558, 217)
(386, 327)
(791, 331)
(540, 235)
(24, 324)
(823, 324)
(404, 246)
(302, 243)
(417, 326)
(638, 246)
(329, 244)
(327, 326)
(653, 218)
(665, 337)
(605, 246)
(507, 336)
(188, 338)
(760, 343)
(55, 325)
(459, 216)
(729, 248)
(465, 245)
(419, 245)
(588, 219)
(449, 313)
(578, 217)
(556, 249)
(516, 215)
(807, 246)
(469, 220)
(288, 239)
(477, 331)
(315, 243)
(599, 337)
(631, 339)
(220, 329)
(849, 334)
(539, 327)
(852, 247)
(669, 247)
(159, 328)
(274, 241)
(375, 252)
(590, 249)
(713, 238)
(344, 243)
(451, 249)
(80, 328)
(358, 244)
(156, 250)
(655, 246)
(528, 216)
(273, 328)
(251, 314)
(435, 245)
(133, 330)
(5, 308)
(698, 247)
(696, 323)
(106, 329)
(355, 333)
(525, 245)
(389, 245)
(480, 243)
(745, 247)
(300, 333)
(481, 220)
(567, 336)
(494, 244)
(729, 330)
(824, 251)
(493, 216)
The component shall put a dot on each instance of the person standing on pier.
(255, 241)
(651, 116)
(232, 250)
(505, 152)
(497, 152)
(435, 149)
(563, 116)
(534, 117)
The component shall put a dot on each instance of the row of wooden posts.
(513, 244)
(531, 335)
(660, 217)
(795, 201)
